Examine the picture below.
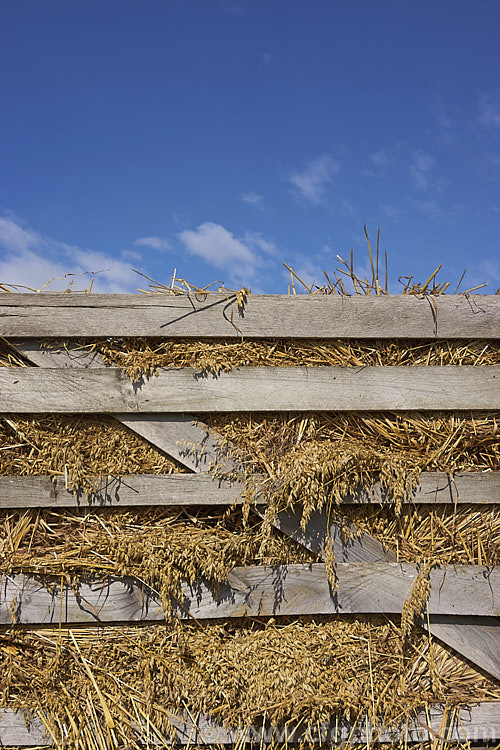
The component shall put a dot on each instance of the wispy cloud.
(238, 257)
(256, 241)
(32, 259)
(310, 273)
(254, 198)
(381, 158)
(392, 212)
(311, 183)
(420, 169)
(489, 110)
(430, 208)
(154, 242)
(15, 239)
(132, 255)
(445, 119)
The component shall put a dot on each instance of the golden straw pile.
(239, 672)
(102, 684)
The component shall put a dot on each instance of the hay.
(144, 357)
(161, 547)
(164, 546)
(238, 673)
(77, 447)
(99, 683)
(315, 460)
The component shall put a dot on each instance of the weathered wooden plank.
(263, 316)
(109, 390)
(202, 489)
(362, 548)
(477, 638)
(435, 487)
(194, 444)
(476, 724)
(134, 490)
(258, 590)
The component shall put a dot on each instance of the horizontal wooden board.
(109, 390)
(202, 489)
(258, 590)
(119, 492)
(263, 316)
(476, 724)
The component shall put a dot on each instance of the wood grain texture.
(264, 316)
(109, 390)
(258, 590)
(476, 724)
(135, 490)
(202, 489)
(177, 434)
(363, 548)
(476, 638)
(194, 444)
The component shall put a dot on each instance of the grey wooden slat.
(264, 316)
(477, 724)
(362, 548)
(134, 490)
(109, 390)
(193, 443)
(477, 638)
(259, 590)
(175, 434)
(472, 487)
(202, 489)
(56, 356)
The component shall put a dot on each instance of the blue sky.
(223, 137)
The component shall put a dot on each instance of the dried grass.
(97, 685)
(315, 460)
(239, 673)
(142, 357)
(165, 546)
(160, 546)
(77, 447)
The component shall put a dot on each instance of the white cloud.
(312, 182)
(256, 241)
(254, 198)
(420, 168)
(430, 208)
(31, 259)
(381, 158)
(16, 239)
(131, 255)
(392, 212)
(310, 273)
(489, 110)
(240, 258)
(154, 242)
